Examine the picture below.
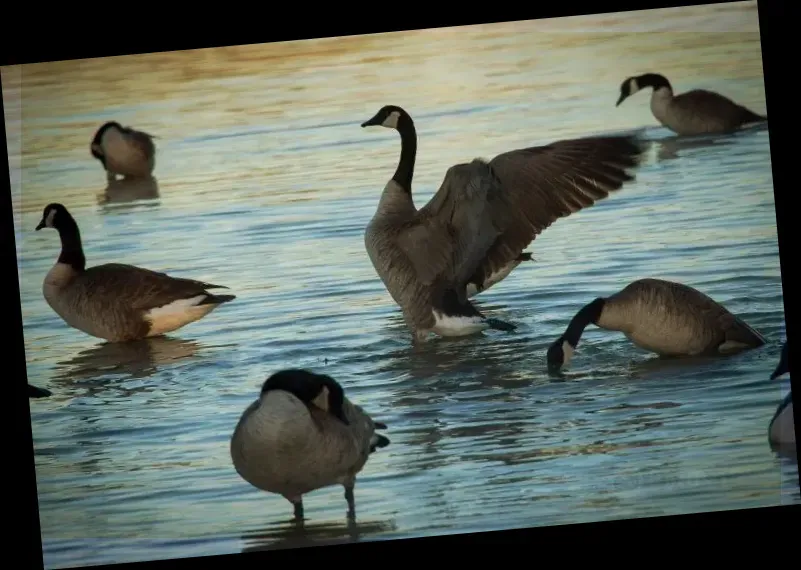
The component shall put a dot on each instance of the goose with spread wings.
(472, 233)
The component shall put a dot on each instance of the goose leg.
(351, 500)
(298, 504)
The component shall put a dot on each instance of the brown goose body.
(124, 151)
(114, 301)
(696, 112)
(472, 233)
(664, 317)
(293, 440)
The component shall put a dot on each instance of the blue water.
(265, 183)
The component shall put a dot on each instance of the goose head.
(54, 216)
(313, 389)
(628, 88)
(97, 141)
(559, 354)
(389, 116)
(636, 83)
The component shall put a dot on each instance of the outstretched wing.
(542, 184)
(139, 288)
(450, 237)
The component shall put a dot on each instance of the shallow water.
(265, 183)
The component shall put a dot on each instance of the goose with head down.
(124, 151)
(303, 434)
(664, 317)
(472, 233)
(781, 428)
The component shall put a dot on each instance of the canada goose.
(695, 112)
(34, 392)
(472, 233)
(670, 319)
(781, 430)
(118, 302)
(123, 150)
(303, 434)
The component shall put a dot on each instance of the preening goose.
(34, 392)
(694, 112)
(303, 434)
(472, 233)
(118, 302)
(781, 429)
(124, 151)
(667, 318)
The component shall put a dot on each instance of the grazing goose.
(124, 151)
(303, 434)
(670, 319)
(472, 233)
(34, 392)
(781, 430)
(695, 112)
(118, 302)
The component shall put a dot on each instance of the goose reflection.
(128, 191)
(665, 366)
(299, 534)
(671, 148)
(138, 359)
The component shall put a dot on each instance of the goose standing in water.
(34, 392)
(781, 430)
(472, 233)
(695, 112)
(303, 434)
(667, 318)
(118, 302)
(124, 151)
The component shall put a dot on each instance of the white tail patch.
(174, 315)
(567, 351)
(457, 325)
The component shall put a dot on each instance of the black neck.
(71, 249)
(589, 314)
(653, 80)
(405, 171)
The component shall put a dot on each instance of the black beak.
(372, 122)
(380, 425)
(41, 225)
(620, 100)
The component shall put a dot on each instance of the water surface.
(265, 182)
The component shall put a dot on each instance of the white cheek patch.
(568, 351)
(633, 86)
(392, 120)
(49, 220)
(321, 401)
